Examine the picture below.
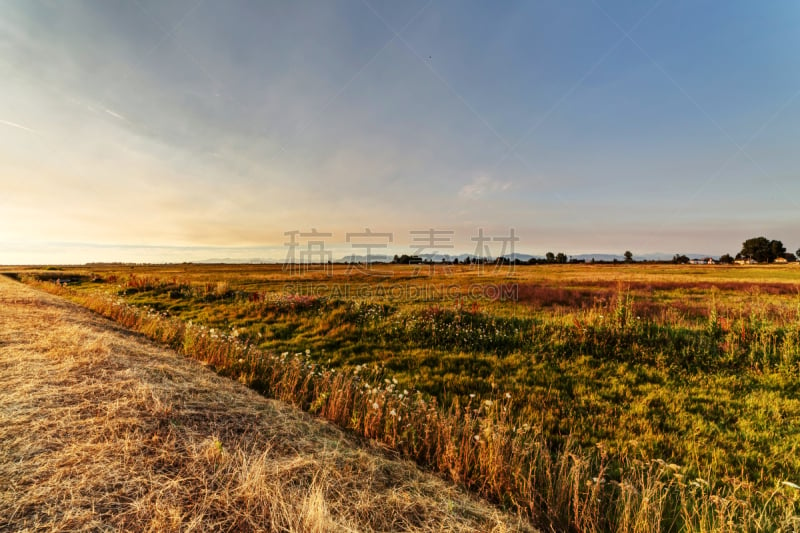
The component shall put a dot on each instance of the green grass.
(694, 366)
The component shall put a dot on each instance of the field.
(103, 430)
(586, 397)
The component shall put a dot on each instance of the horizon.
(278, 255)
(199, 130)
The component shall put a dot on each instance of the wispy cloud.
(18, 126)
(115, 114)
(481, 186)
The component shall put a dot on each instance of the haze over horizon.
(182, 130)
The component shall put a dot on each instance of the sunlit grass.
(611, 373)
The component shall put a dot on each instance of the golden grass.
(101, 429)
(564, 489)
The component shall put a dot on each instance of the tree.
(797, 253)
(561, 258)
(762, 249)
(680, 259)
(550, 257)
(628, 256)
(726, 259)
(777, 249)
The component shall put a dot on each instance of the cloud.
(114, 114)
(481, 186)
(19, 126)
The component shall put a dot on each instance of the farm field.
(588, 397)
(104, 430)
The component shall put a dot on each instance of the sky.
(182, 130)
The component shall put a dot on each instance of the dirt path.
(101, 429)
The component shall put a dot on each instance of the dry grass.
(103, 430)
(486, 449)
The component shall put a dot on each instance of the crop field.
(638, 397)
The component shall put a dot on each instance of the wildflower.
(487, 403)
(477, 438)
(308, 352)
(393, 412)
(241, 360)
(508, 396)
(405, 392)
(472, 395)
(376, 406)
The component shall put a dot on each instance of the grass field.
(588, 397)
(103, 430)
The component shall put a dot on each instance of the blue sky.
(181, 130)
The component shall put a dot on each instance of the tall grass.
(481, 443)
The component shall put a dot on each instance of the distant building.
(704, 261)
(747, 261)
(781, 260)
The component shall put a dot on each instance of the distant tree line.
(758, 249)
(764, 250)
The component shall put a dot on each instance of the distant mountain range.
(461, 257)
